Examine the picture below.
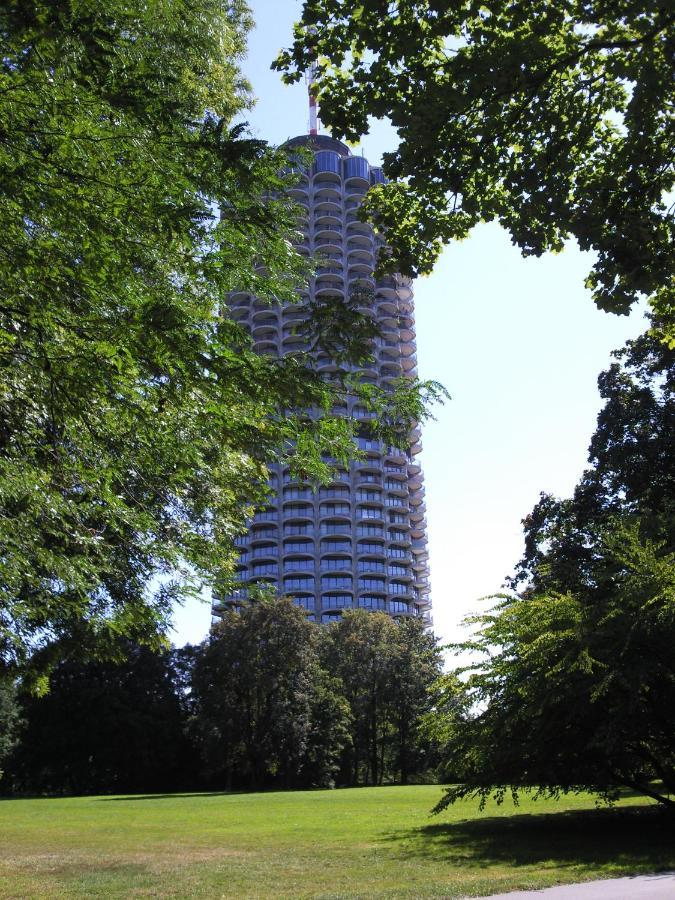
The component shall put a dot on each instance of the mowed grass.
(369, 842)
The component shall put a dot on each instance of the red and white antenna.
(310, 78)
(313, 113)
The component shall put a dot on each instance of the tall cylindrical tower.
(360, 541)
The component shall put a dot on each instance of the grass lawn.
(368, 842)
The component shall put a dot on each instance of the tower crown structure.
(359, 542)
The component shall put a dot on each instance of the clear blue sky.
(517, 342)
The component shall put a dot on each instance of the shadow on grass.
(178, 796)
(631, 840)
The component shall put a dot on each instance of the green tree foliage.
(265, 711)
(106, 727)
(553, 117)
(386, 668)
(572, 693)
(271, 699)
(10, 720)
(574, 683)
(632, 473)
(135, 419)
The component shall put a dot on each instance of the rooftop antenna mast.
(310, 78)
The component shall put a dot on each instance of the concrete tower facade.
(360, 541)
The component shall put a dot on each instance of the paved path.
(638, 887)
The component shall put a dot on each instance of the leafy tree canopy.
(264, 709)
(386, 667)
(574, 681)
(575, 693)
(553, 117)
(632, 473)
(135, 418)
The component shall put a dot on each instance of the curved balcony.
(291, 330)
(263, 579)
(298, 566)
(295, 347)
(416, 448)
(367, 566)
(355, 187)
(372, 584)
(330, 229)
(331, 240)
(266, 348)
(387, 305)
(371, 547)
(358, 240)
(240, 297)
(299, 583)
(388, 355)
(329, 289)
(340, 564)
(239, 314)
(361, 273)
(371, 602)
(327, 191)
(267, 315)
(366, 514)
(417, 494)
(391, 369)
(327, 205)
(369, 445)
(388, 308)
(335, 526)
(403, 287)
(263, 533)
(265, 551)
(329, 258)
(418, 514)
(300, 512)
(357, 172)
(264, 331)
(299, 192)
(292, 546)
(294, 315)
(418, 530)
(414, 468)
(329, 510)
(400, 588)
(399, 538)
(337, 583)
(406, 576)
(326, 177)
(400, 608)
(337, 601)
(360, 259)
(356, 226)
(329, 276)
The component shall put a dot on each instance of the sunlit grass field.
(368, 842)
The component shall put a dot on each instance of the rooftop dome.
(318, 142)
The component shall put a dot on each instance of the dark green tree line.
(270, 699)
(106, 727)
